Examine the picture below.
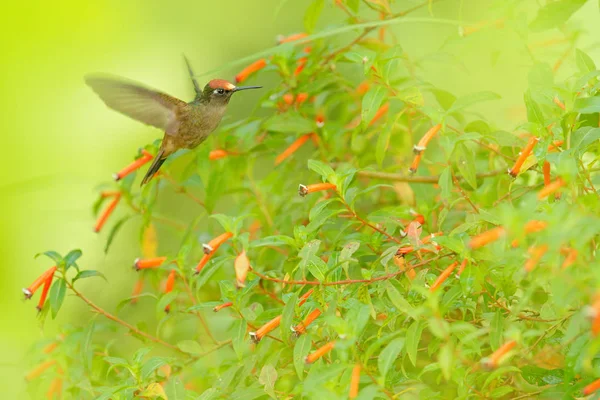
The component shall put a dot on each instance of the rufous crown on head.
(221, 84)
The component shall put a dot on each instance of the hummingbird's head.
(219, 91)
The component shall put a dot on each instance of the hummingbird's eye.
(220, 91)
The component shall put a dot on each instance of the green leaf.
(57, 296)
(313, 12)
(152, 365)
(289, 123)
(383, 141)
(287, 316)
(113, 233)
(71, 258)
(584, 62)
(388, 356)
(175, 389)
(413, 337)
(275, 240)
(534, 114)
(400, 302)
(371, 103)
(310, 261)
(554, 14)
(267, 377)
(88, 273)
(583, 137)
(57, 258)
(465, 163)
(587, 105)
(239, 337)
(445, 359)
(470, 99)
(190, 347)
(497, 330)
(353, 5)
(322, 169)
(445, 183)
(301, 350)
(165, 300)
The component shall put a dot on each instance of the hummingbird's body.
(186, 125)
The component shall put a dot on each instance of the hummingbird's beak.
(238, 88)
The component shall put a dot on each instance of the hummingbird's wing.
(138, 102)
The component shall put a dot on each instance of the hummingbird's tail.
(156, 164)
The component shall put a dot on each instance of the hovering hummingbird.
(186, 125)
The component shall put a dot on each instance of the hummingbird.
(186, 125)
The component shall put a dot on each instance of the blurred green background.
(60, 141)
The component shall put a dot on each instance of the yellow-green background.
(59, 141)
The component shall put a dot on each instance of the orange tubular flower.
(45, 290)
(493, 360)
(222, 306)
(363, 88)
(301, 327)
(305, 297)
(291, 38)
(380, 113)
(169, 286)
(422, 145)
(250, 69)
(535, 226)
(514, 171)
(29, 291)
(591, 388)
(215, 243)
(571, 256)
(148, 263)
(144, 159)
(203, 261)
(242, 265)
(415, 164)
(320, 352)
(487, 237)
(593, 312)
(301, 98)
(546, 170)
(354, 381)
(288, 99)
(300, 65)
(292, 149)
(217, 154)
(536, 253)
(265, 329)
(137, 290)
(106, 213)
(317, 187)
(443, 276)
(551, 188)
(50, 348)
(463, 265)
(38, 370)
(559, 103)
(109, 193)
(55, 388)
(554, 146)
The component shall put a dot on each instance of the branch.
(388, 176)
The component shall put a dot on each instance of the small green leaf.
(471, 99)
(496, 330)
(88, 273)
(554, 14)
(71, 258)
(465, 163)
(534, 114)
(175, 389)
(57, 296)
(413, 337)
(400, 302)
(164, 301)
(113, 232)
(445, 359)
(587, 105)
(287, 316)
(445, 183)
(190, 347)
(57, 258)
(267, 377)
(239, 337)
(383, 141)
(313, 12)
(322, 169)
(301, 350)
(583, 137)
(152, 365)
(371, 103)
(289, 123)
(584, 62)
(388, 356)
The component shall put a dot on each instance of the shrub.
(368, 235)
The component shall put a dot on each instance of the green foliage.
(423, 314)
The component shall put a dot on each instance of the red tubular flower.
(291, 38)
(493, 360)
(265, 329)
(148, 263)
(30, 290)
(443, 276)
(320, 352)
(463, 265)
(363, 88)
(514, 171)
(301, 327)
(380, 113)
(487, 237)
(301, 98)
(546, 170)
(45, 290)
(591, 388)
(203, 261)
(169, 286)
(222, 306)
(288, 99)
(422, 145)
(354, 382)
(106, 213)
(215, 243)
(317, 187)
(144, 159)
(551, 188)
(415, 164)
(305, 297)
(250, 69)
(292, 148)
(555, 146)
(301, 63)
(217, 154)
